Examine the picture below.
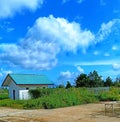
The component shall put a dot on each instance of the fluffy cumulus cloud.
(47, 38)
(34, 55)
(9, 7)
(43, 42)
(66, 76)
(68, 35)
(70, 76)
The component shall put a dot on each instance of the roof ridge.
(26, 74)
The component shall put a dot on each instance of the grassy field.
(59, 97)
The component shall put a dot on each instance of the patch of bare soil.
(81, 113)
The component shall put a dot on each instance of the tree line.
(93, 79)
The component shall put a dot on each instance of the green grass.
(61, 97)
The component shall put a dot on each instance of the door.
(13, 94)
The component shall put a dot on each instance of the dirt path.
(82, 113)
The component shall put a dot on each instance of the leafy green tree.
(82, 80)
(68, 85)
(61, 86)
(108, 81)
(94, 79)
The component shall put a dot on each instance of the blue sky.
(60, 38)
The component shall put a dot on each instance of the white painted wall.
(20, 91)
(13, 86)
(24, 95)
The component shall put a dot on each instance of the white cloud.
(116, 66)
(70, 76)
(80, 69)
(10, 29)
(67, 76)
(68, 35)
(9, 7)
(114, 47)
(46, 38)
(96, 52)
(43, 41)
(34, 55)
(4, 72)
(111, 27)
(105, 30)
(78, 1)
(99, 62)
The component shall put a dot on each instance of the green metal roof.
(30, 79)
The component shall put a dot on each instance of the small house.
(19, 84)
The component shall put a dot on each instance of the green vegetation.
(93, 79)
(88, 89)
(4, 94)
(61, 97)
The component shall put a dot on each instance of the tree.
(68, 85)
(117, 82)
(94, 79)
(82, 80)
(108, 81)
(61, 86)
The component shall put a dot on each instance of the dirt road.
(81, 113)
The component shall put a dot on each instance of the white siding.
(13, 86)
(21, 92)
(24, 94)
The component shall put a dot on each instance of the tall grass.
(61, 97)
(112, 95)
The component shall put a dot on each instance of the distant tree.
(117, 82)
(108, 82)
(68, 85)
(94, 79)
(61, 86)
(82, 80)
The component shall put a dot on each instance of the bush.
(4, 94)
(112, 95)
(39, 92)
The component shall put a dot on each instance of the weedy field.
(59, 97)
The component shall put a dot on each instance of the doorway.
(13, 94)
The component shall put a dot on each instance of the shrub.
(112, 95)
(4, 94)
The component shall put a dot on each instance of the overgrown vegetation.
(86, 90)
(3, 94)
(61, 97)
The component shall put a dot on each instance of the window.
(27, 88)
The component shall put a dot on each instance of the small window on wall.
(27, 88)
